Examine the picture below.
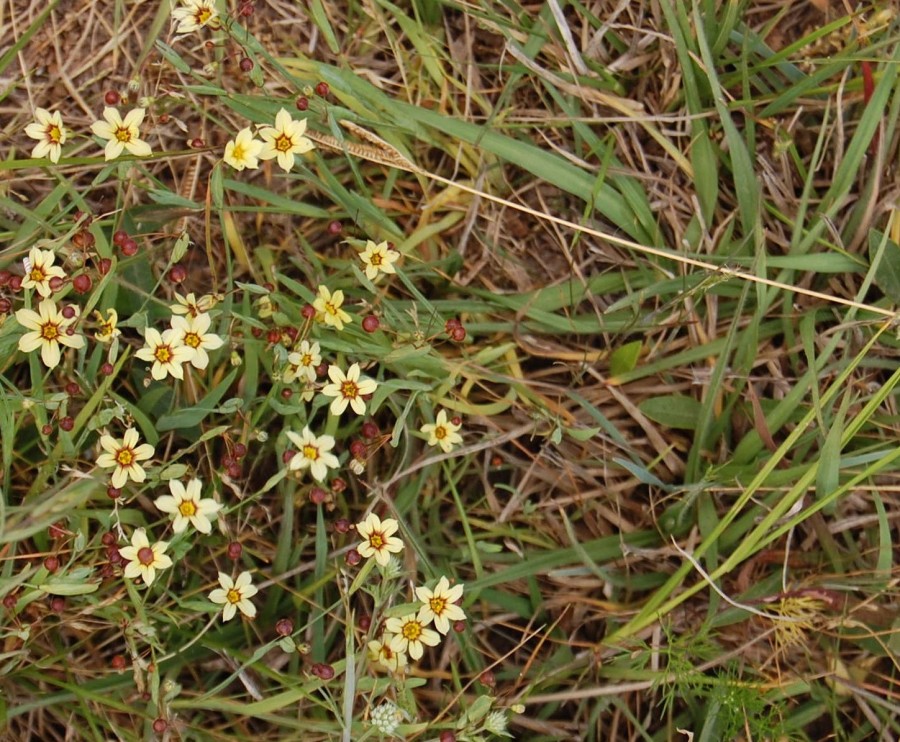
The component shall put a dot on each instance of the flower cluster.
(281, 142)
(121, 134)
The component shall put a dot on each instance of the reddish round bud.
(317, 495)
(113, 556)
(335, 227)
(107, 369)
(246, 64)
(9, 601)
(287, 393)
(353, 558)
(322, 671)
(369, 430)
(247, 10)
(235, 471)
(458, 334)
(5, 305)
(177, 273)
(370, 323)
(451, 323)
(108, 538)
(160, 725)
(118, 662)
(338, 485)
(287, 456)
(302, 103)
(70, 331)
(82, 283)
(15, 283)
(197, 143)
(239, 450)
(228, 461)
(111, 98)
(67, 423)
(72, 389)
(269, 286)
(104, 265)
(309, 311)
(235, 550)
(496, 460)
(364, 622)
(119, 237)
(113, 493)
(358, 449)
(322, 89)
(163, 118)
(56, 531)
(459, 626)
(487, 678)
(447, 736)
(56, 283)
(129, 247)
(292, 332)
(57, 604)
(322, 369)
(342, 525)
(4, 277)
(284, 627)
(274, 335)
(456, 420)
(51, 563)
(46, 429)
(256, 332)
(83, 239)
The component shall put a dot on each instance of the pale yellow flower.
(380, 652)
(193, 306)
(39, 269)
(284, 140)
(125, 456)
(106, 328)
(235, 595)
(48, 330)
(48, 129)
(378, 259)
(328, 308)
(302, 362)
(313, 452)
(144, 559)
(195, 15)
(187, 506)
(243, 151)
(442, 432)
(348, 390)
(122, 133)
(196, 336)
(378, 538)
(439, 605)
(166, 351)
(410, 635)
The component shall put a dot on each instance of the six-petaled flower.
(411, 635)
(166, 352)
(144, 558)
(348, 389)
(302, 362)
(439, 605)
(122, 134)
(125, 456)
(243, 151)
(48, 129)
(443, 432)
(106, 328)
(195, 14)
(284, 140)
(328, 308)
(378, 259)
(313, 452)
(39, 270)
(235, 595)
(187, 506)
(47, 330)
(196, 335)
(378, 539)
(380, 652)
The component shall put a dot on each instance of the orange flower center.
(283, 143)
(145, 556)
(49, 331)
(54, 134)
(233, 596)
(163, 353)
(412, 630)
(437, 605)
(125, 457)
(202, 16)
(238, 153)
(331, 308)
(376, 541)
(440, 432)
(123, 134)
(376, 259)
(349, 390)
(310, 452)
(192, 340)
(306, 360)
(37, 274)
(187, 508)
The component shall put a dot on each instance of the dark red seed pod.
(335, 227)
(353, 557)
(235, 471)
(51, 563)
(338, 485)
(246, 64)
(287, 456)
(309, 311)
(46, 429)
(9, 601)
(129, 247)
(57, 604)
(67, 423)
(342, 525)
(369, 430)
(235, 550)
(4, 277)
(56, 531)
(246, 10)
(113, 556)
(103, 265)
(82, 283)
(458, 334)
(163, 118)
(273, 336)
(302, 103)
(160, 725)
(107, 369)
(256, 332)
(292, 332)
(322, 671)
(284, 627)
(177, 273)
(317, 495)
(119, 237)
(56, 283)
(113, 493)
(118, 662)
(358, 449)
(322, 369)
(239, 450)
(197, 143)
(456, 420)
(108, 538)
(450, 324)
(83, 239)
(487, 678)
(72, 389)
(5, 305)
(111, 98)
(15, 283)
(370, 323)
(459, 626)
(322, 89)
(364, 622)
(447, 736)
(68, 311)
